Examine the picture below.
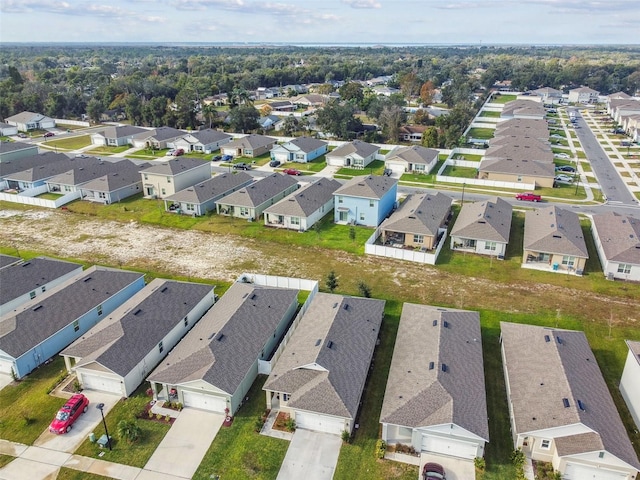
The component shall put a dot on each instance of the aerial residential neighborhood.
(319, 262)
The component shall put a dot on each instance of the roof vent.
(138, 311)
(220, 337)
(346, 306)
(25, 264)
(547, 338)
(164, 289)
(329, 344)
(435, 323)
(335, 305)
(211, 336)
(565, 402)
(87, 279)
(431, 365)
(560, 341)
(252, 297)
(318, 342)
(37, 308)
(444, 367)
(445, 324)
(581, 405)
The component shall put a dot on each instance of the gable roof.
(421, 214)
(564, 368)
(520, 141)
(82, 175)
(57, 308)
(554, 230)
(125, 338)
(15, 146)
(46, 170)
(484, 220)
(518, 167)
(437, 371)
(619, 236)
(6, 261)
(523, 107)
(252, 142)
(325, 363)
(306, 144)
(175, 166)
(533, 127)
(588, 90)
(415, 155)
(32, 161)
(26, 117)
(165, 133)
(358, 147)
(214, 187)
(22, 278)
(634, 348)
(221, 348)
(368, 186)
(259, 192)
(520, 150)
(208, 136)
(307, 200)
(121, 131)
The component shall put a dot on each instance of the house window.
(285, 397)
(519, 178)
(244, 211)
(160, 347)
(546, 444)
(568, 260)
(146, 177)
(295, 220)
(419, 168)
(186, 321)
(76, 326)
(342, 216)
(490, 246)
(44, 288)
(362, 217)
(624, 268)
(99, 310)
(168, 179)
(67, 188)
(190, 207)
(102, 195)
(32, 294)
(340, 200)
(371, 203)
(418, 239)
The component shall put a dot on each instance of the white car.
(564, 178)
(170, 153)
(561, 155)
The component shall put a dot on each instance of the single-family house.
(251, 146)
(419, 222)
(310, 100)
(8, 261)
(35, 176)
(26, 121)
(411, 133)
(620, 111)
(72, 180)
(514, 164)
(583, 95)
(24, 281)
(560, 408)
(525, 109)
(42, 327)
(116, 136)
(10, 167)
(114, 186)
(416, 159)
(203, 141)
(271, 122)
(7, 130)
(356, 154)
(10, 151)
(384, 90)
(549, 96)
(319, 378)
(282, 106)
(116, 355)
(157, 138)
(617, 239)
(113, 115)
(629, 384)
(435, 400)
(483, 227)
(523, 127)
(215, 364)
(553, 241)
(167, 178)
(249, 202)
(301, 149)
(303, 208)
(365, 200)
(202, 197)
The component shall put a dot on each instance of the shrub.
(179, 406)
(76, 386)
(517, 458)
(381, 448)
(158, 416)
(480, 463)
(150, 413)
(290, 424)
(129, 430)
(258, 424)
(346, 436)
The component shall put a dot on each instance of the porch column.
(67, 363)
(268, 393)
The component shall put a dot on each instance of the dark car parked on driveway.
(433, 471)
(274, 163)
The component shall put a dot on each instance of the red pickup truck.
(529, 197)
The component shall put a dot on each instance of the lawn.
(316, 165)
(49, 196)
(138, 453)
(238, 452)
(201, 155)
(5, 459)
(71, 143)
(374, 168)
(481, 133)
(26, 408)
(461, 172)
(107, 150)
(487, 113)
(503, 98)
(148, 154)
(470, 157)
(429, 178)
(70, 474)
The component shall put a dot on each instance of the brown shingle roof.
(485, 220)
(554, 230)
(619, 236)
(422, 214)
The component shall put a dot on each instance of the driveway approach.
(311, 456)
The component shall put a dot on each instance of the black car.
(217, 158)
(242, 166)
(566, 168)
(274, 163)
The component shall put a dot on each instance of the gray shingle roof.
(14, 146)
(420, 396)
(46, 315)
(523, 107)
(121, 131)
(634, 347)
(209, 136)
(421, 214)
(259, 192)
(221, 348)
(214, 187)
(130, 333)
(253, 142)
(485, 220)
(325, 364)
(25, 117)
(415, 154)
(307, 200)
(358, 147)
(50, 169)
(5, 261)
(554, 230)
(116, 180)
(518, 167)
(520, 150)
(33, 161)
(174, 166)
(82, 175)
(166, 133)
(619, 236)
(523, 126)
(521, 141)
(564, 368)
(369, 186)
(307, 144)
(20, 279)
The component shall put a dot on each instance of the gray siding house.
(203, 141)
(617, 239)
(167, 178)
(251, 146)
(114, 186)
(117, 136)
(16, 150)
(301, 149)
(26, 121)
(412, 159)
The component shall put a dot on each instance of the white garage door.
(395, 167)
(448, 446)
(204, 401)
(575, 471)
(319, 423)
(103, 384)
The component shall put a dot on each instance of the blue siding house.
(301, 149)
(47, 324)
(365, 200)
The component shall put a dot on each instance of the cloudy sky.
(323, 21)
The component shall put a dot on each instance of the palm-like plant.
(129, 430)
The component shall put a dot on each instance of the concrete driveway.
(5, 380)
(454, 468)
(83, 426)
(184, 446)
(311, 456)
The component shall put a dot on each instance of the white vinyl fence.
(429, 258)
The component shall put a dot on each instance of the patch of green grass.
(374, 168)
(135, 454)
(487, 113)
(563, 190)
(239, 452)
(481, 133)
(70, 474)
(50, 196)
(5, 459)
(148, 154)
(26, 408)
(315, 165)
(503, 98)
(201, 155)
(469, 157)
(461, 172)
(71, 143)
(107, 150)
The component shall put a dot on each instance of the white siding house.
(630, 381)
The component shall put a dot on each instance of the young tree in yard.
(352, 233)
(364, 289)
(129, 430)
(332, 281)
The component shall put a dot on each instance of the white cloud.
(362, 3)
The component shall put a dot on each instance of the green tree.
(55, 105)
(133, 109)
(244, 118)
(408, 84)
(332, 281)
(352, 92)
(430, 138)
(94, 110)
(338, 120)
(290, 125)
(129, 430)
(364, 289)
(390, 119)
(209, 113)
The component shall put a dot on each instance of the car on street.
(170, 153)
(291, 171)
(566, 168)
(242, 166)
(528, 197)
(48, 134)
(217, 158)
(561, 155)
(274, 163)
(69, 413)
(433, 471)
(22, 135)
(563, 178)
